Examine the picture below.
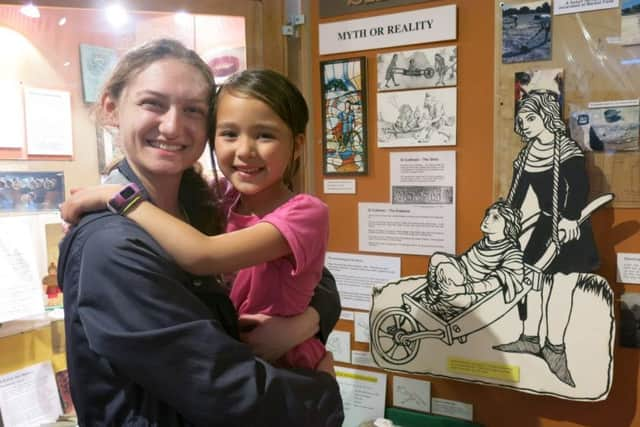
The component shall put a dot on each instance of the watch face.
(127, 192)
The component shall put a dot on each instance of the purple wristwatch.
(125, 199)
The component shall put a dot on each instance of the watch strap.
(126, 199)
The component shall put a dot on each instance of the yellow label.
(478, 368)
(356, 376)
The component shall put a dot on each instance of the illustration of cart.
(427, 72)
(402, 132)
(396, 332)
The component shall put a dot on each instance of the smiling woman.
(162, 122)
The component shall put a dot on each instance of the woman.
(552, 166)
(147, 343)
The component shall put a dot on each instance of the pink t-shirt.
(284, 286)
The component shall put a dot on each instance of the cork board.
(596, 68)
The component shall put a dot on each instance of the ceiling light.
(117, 15)
(30, 10)
(182, 18)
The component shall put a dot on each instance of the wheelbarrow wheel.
(389, 331)
(429, 72)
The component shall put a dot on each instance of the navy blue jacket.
(150, 345)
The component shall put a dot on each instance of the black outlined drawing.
(413, 69)
(537, 254)
(417, 118)
(406, 397)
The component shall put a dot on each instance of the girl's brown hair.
(282, 96)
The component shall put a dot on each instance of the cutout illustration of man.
(440, 68)
(389, 74)
(436, 118)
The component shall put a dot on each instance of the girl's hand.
(270, 337)
(568, 230)
(89, 199)
(326, 364)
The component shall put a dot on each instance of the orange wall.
(493, 406)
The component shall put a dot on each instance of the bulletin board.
(597, 67)
(484, 150)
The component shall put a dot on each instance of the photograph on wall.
(53, 236)
(96, 63)
(413, 69)
(417, 118)
(48, 122)
(344, 137)
(630, 26)
(551, 79)
(522, 307)
(12, 114)
(630, 319)
(224, 62)
(62, 381)
(526, 32)
(108, 149)
(31, 191)
(610, 128)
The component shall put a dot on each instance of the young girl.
(279, 238)
(455, 283)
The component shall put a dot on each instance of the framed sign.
(344, 130)
(420, 26)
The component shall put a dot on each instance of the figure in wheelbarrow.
(457, 282)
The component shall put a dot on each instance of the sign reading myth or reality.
(397, 29)
(330, 8)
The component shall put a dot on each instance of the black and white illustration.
(524, 297)
(413, 69)
(417, 118)
(411, 394)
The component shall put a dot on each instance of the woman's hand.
(568, 230)
(270, 337)
(89, 199)
(326, 364)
